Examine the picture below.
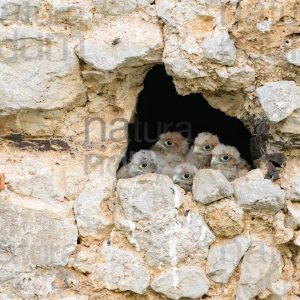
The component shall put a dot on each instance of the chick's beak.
(196, 150)
(175, 178)
(213, 161)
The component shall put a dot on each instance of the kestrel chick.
(170, 151)
(184, 174)
(171, 143)
(143, 161)
(200, 153)
(227, 159)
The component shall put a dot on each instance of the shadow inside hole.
(161, 109)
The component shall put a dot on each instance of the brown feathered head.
(172, 142)
(205, 142)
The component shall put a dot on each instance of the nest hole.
(160, 109)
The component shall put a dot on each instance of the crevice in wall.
(160, 108)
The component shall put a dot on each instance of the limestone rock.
(294, 192)
(293, 57)
(219, 48)
(142, 197)
(261, 266)
(280, 290)
(291, 124)
(297, 239)
(38, 176)
(123, 270)
(149, 203)
(223, 259)
(42, 80)
(236, 78)
(211, 185)
(116, 8)
(13, 11)
(254, 192)
(122, 44)
(72, 12)
(282, 233)
(293, 216)
(34, 284)
(264, 26)
(189, 237)
(279, 99)
(177, 64)
(232, 221)
(92, 215)
(187, 282)
(8, 295)
(51, 230)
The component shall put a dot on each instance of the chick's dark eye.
(207, 147)
(186, 176)
(225, 157)
(143, 165)
(168, 143)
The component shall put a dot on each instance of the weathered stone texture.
(211, 185)
(67, 62)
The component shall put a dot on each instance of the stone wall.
(70, 74)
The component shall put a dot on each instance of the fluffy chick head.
(184, 174)
(225, 155)
(172, 142)
(205, 142)
(143, 161)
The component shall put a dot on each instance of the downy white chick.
(227, 159)
(143, 161)
(170, 151)
(183, 175)
(200, 153)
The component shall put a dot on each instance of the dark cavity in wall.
(161, 109)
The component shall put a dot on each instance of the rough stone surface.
(12, 11)
(255, 192)
(190, 282)
(144, 196)
(294, 192)
(38, 76)
(280, 289)
(283, 234)
(39, 176)
(219, 48)
(122, 45)
(293, 57)
(291, 124)
(232, 221)
(223, 259)
(123, 270)
(149, 205)
(44, 224)
(287, 95)
(211, 185)
(72, 12)
(71, 73)
(91, 209)
(261, 266)
(293, 216)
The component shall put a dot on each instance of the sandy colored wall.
(70, 74)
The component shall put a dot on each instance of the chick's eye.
(207, 147)
(225, 157)
(169, 143)
(186, 176)
(143, 165)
